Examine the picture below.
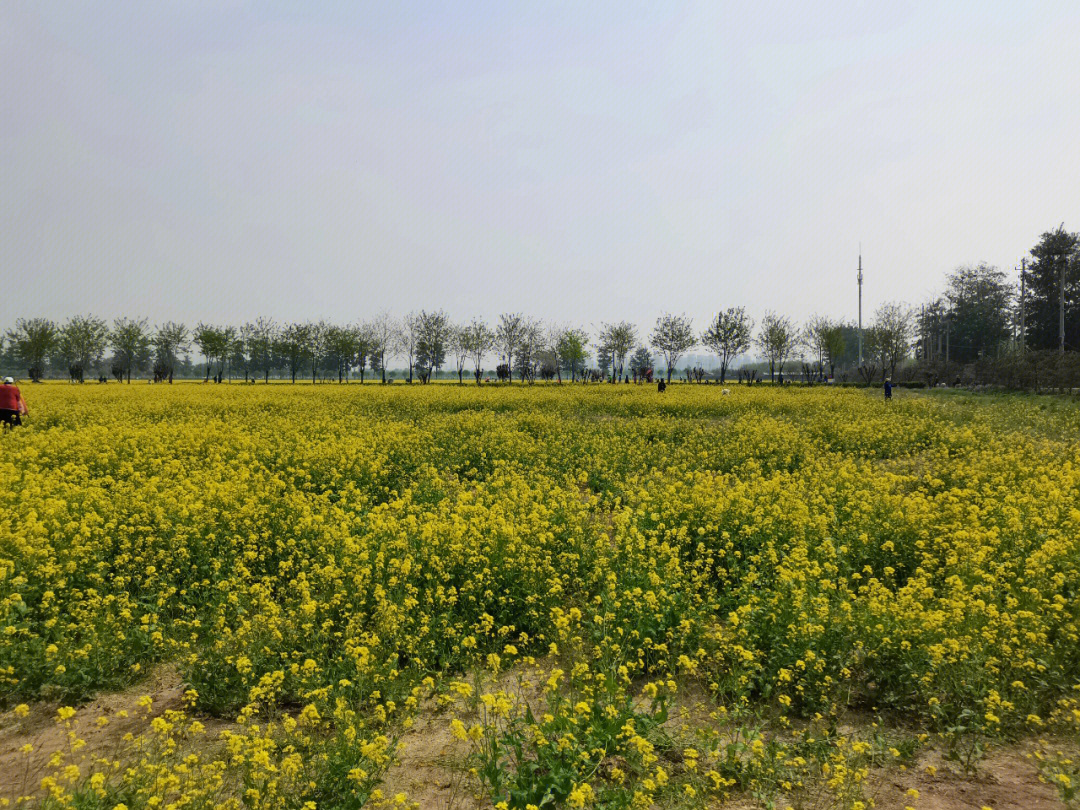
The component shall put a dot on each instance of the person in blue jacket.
(888, 389)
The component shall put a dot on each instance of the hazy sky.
(583, 162)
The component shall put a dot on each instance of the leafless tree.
(776, 340)
(617, 340)
(508, 336)
(728, 336)
(673, 337)
(382, 331)
(477, 340)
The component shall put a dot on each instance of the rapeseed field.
(321, 563)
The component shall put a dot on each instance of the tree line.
(985, 318)
(426, 342)
(1018, 329)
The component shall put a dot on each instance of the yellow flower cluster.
(307, 555)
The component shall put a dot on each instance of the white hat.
(9, 381)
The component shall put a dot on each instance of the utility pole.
(937, 331)
(1061, 257)
(860, 306)
(925, 341)
(1023, 304)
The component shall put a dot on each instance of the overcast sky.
(581, 162)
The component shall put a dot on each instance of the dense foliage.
(319, 560)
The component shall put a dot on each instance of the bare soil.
(431, 765)
(41, 729)
(1006, 780)
(103, 726)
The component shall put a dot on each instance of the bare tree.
(209, 340)
(641, 365)
(673, 337)
(130, 339)
(227, 350)
(477, 340)
(457, 346)
(835, 346)
(432, 339)
(873, 351)
(364, 345)
(261, 338)
(508, 336)
(170, 340)
(892, 323)
(317, 335)
(728, 336)
(571, 350)
(617, 340)
(552, 336)
(815, 336)
(340, 350)
(240, 351)
(383, 332)
(293, 345)
(776, 340)
(80, 344)
(530, 350)
(32, 341)
(407, 337)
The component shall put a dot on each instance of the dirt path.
(1006, 780)
(101, 725)
(430, 766)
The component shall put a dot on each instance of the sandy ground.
(1006, 780)
(431, 765)
(21, 772)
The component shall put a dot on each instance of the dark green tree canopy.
(979, 309)
(1056, 250)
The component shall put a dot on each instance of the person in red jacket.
(12, 404)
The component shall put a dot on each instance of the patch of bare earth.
(431, 765)
(1006, 780)
(99, 729)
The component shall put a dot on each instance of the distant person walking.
(888, 389)
(12, 404)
